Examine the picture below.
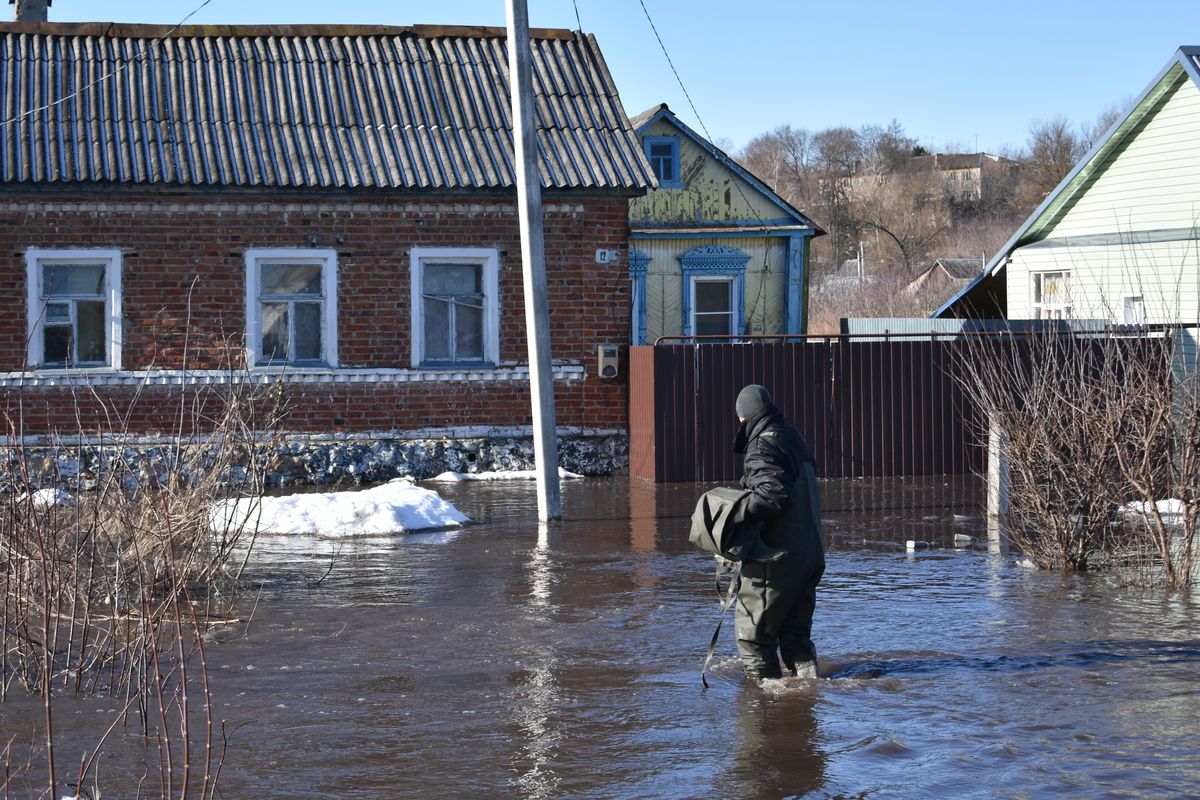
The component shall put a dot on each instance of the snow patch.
(395, 507)
(45, 498)
(509, 475)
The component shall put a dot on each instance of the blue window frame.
(714, 291)
(663, 152)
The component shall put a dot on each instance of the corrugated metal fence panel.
(320, 108)
(868, 409)
(642, 429)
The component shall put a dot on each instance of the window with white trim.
(1052, 294)
(73, 308)
(291, 308)
(455, 303)
(713, 313)
(1133, 310)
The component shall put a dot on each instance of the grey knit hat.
(752, 400)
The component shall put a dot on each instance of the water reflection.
(777, 748)
(538, 696)
(504, 661)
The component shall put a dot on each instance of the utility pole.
(533, 261)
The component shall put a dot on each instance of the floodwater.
(491, 662)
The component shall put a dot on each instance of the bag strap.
(735, 580)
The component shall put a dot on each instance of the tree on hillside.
(784, 159)
(911, 211)
(1054, 148)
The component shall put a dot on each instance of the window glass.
(291, 279)
(274, 331)
(712, 296)
(453, 311)
(89, 326)
(57, 313)
(437, 329)
(73, 319)
(662, 159)
(452, 279)
(56, 344)
(308, 332)
(72, 279)
(1051, 295)
(468, 332)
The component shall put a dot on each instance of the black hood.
(757, 411)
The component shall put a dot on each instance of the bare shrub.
(879, 296)
(1093, 423)
(112, 590)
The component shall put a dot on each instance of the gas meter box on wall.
(606, 361)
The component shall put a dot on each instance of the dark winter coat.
(780, 474)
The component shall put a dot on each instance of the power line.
(736, 184)
(107, 75)
(579, 25)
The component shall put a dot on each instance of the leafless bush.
(878, 296)
(112, 590)
(1094, 424)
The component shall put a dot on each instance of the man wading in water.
(776, 599)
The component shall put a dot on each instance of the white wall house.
(1119, 239)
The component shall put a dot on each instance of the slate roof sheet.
(303, 107)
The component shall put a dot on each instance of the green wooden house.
(1119, 239)
(713, 251)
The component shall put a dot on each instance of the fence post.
(997, 485)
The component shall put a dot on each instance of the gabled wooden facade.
(713, 251)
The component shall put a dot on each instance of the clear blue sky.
(963, 72)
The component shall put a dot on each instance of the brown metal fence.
(868, 407)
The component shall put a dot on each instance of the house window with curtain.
(1052, 295)
(455, 301)
(73, 308)
(663, 153)
(714, 294)
(291, 308)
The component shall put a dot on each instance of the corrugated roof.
(962, 268)
(305, 107)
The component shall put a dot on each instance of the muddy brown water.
(487, 663)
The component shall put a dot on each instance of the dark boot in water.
(805, 669)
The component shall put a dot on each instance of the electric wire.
(135, 59)
(766, 270)
(578, 23)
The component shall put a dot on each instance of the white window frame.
(732, 282)
(489, 259)
(1133, 310)
(1044, 310)
(35, 259)
(327, 260)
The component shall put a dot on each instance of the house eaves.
(1183, 65)
(661, 112)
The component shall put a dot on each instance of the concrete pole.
(997, 486)
(533, 261)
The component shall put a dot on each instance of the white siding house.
(1119, 239)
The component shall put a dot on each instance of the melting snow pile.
(517, 474)
(394, 507)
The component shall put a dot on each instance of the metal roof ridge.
(137, 30)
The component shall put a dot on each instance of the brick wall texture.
(183, 300)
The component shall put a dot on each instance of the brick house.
(327, 210)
